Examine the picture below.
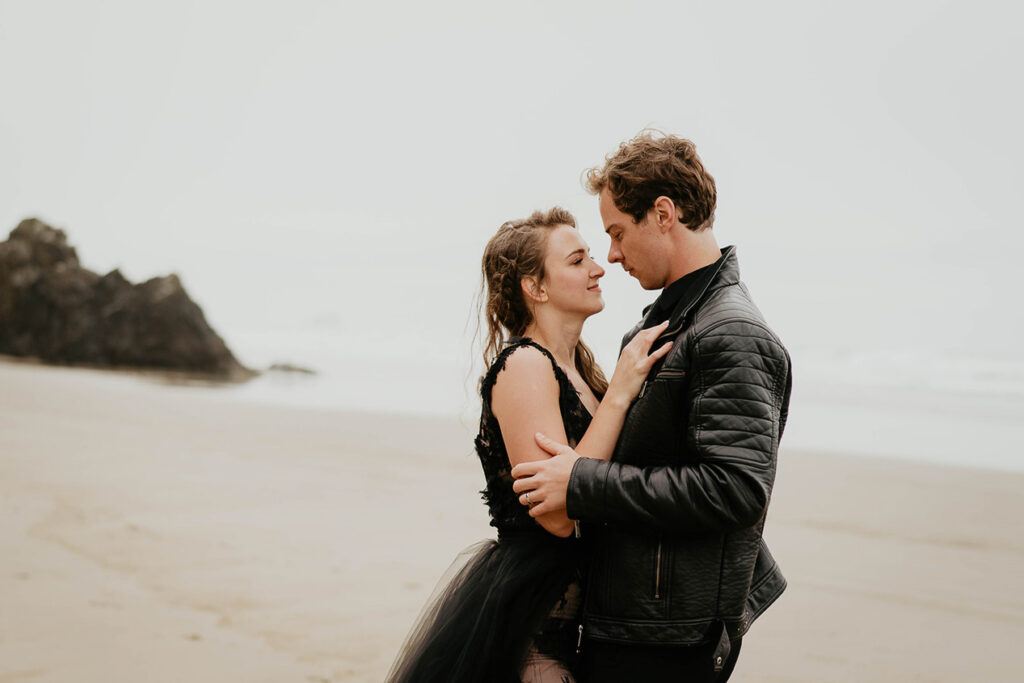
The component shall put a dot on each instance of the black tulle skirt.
(508, 600)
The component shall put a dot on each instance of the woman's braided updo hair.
(516, 251)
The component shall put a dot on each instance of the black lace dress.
(513, 607)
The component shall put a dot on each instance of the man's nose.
(614, 255)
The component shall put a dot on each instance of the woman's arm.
(630, 372)
(527, 375)
(525, 400)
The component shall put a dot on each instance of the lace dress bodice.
(511, 613)
(507, 514)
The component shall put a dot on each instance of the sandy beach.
(155, 532)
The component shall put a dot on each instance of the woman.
(511, 613)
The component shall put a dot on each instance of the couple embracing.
(629, 511)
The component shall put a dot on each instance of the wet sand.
(165, 533)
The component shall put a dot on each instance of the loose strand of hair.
(590, 371)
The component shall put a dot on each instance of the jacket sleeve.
(739, 388)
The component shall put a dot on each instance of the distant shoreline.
(928, 426)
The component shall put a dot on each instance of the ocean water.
(937, 408)
(930, 407)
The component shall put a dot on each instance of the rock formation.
(53, 309)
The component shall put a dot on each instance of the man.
(679, 570)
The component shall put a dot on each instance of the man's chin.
(647, 285)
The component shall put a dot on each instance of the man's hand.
(546, 481)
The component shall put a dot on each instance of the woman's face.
(570, 275)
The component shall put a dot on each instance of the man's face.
(637, 247)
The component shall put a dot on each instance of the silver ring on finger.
(528, 498)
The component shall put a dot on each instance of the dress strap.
(487, 383)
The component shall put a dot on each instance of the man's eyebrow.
(608, 228)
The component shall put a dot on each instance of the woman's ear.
(533, 290)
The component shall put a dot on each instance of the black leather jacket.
(675, 519)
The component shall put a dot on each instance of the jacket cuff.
(586, 488)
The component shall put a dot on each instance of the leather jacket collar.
(725, 271)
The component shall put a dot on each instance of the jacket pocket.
(628, 568)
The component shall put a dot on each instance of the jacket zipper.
(669, 333)
(663, 373)
(657, 573)
(579, 641)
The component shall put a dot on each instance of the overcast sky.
(343, 163)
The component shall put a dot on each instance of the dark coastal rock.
(291, 367)
(53, 309)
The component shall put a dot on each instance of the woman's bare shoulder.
(526, 385)
(526, 368)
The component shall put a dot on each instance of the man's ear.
(533, 290)
(665, 213)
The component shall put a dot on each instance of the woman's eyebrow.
(576, 251)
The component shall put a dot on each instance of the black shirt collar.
(684, 288)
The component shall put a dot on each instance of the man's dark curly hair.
(654, 164)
